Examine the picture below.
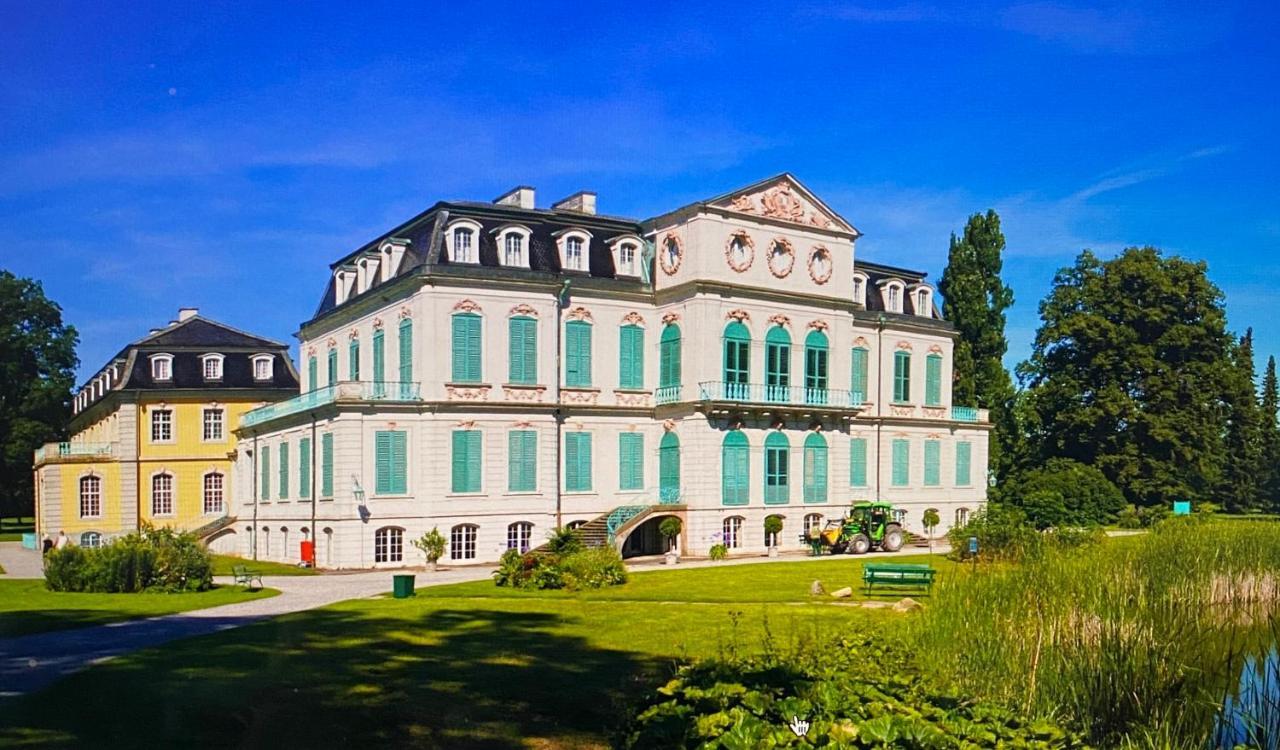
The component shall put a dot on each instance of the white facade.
(770, 257)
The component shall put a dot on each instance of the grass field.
(468, 665)
(222, 565)
(12, 529)
(26, 606)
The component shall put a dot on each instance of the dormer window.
(162, 367)
(626, 255)
(463, 240)
(513, 242)
(573, 250)
(262, 366)
(892, 291)
(895, 299)
(923, 301)
(859, 289)
(211, 365)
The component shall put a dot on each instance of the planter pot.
(671, 558)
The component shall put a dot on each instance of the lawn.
(222, 565)
(26, 606)
(467, 665)
(12, 529)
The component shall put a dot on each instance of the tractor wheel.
(860, 544)
(893, 538)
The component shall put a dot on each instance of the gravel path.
(19, 562)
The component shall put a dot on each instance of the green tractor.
(868, 526)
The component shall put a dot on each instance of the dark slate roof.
(188, 373)
(204, 333)
(877, 272)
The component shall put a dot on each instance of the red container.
(309, 552)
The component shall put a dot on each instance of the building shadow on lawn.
(487, 678)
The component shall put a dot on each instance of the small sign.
(973, 545)
(1181, 507)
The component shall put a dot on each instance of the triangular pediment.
(783, 198)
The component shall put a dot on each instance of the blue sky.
(154, 155)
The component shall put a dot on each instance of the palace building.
(152, 434)
(497, 370)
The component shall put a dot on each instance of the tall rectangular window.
(405, 345)
(213, 425)
(901, 462)
(264, 481)
(379, 352)
(213, 493)
(631, 357)
(858, 382)
(312, 373)
(390, 465)
(326, 465)
(353, 360)
(577, 346)
(933, 380)
(577, 462)
(858, 462)
(964, 456)
(331, 368)
(630, 461)
(902, 377)
(522, 362)
(284, 470)
(466, 348)
(161, 425)
(466, 461)
(522, 461)
(304, 468)
(669, 366)
(932, 459)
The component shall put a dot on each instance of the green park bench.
(898, 575)
(245, 577)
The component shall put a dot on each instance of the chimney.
(583, 202)
(187, 313)
(520, 197)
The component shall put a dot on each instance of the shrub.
(670, 528)
(431, 544)
(583, 569)
(772, 527)
(1003, 532)
(1064, 492)
(528, 570)
(593, 569)
(718, 551)
(148, 560)
(563, 540)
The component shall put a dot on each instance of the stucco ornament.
(781, 258)
(779, 319)
(467, 305)
(740, 251)
(672, 253)
(781, 203)
(633, 318)
(820, 265)
(523, 309)
(743, 203)
(671, 317)
(580, 313)
(739, 315)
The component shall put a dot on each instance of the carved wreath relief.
(820, 266)
(740, 251)
(672, 254)
(781, 258)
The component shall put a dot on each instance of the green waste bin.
(402, 585)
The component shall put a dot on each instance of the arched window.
(777, 365)
(462, 542)
(962, 517)
(771, 540)
(815, 368)
(669, 469)
(91, 539)
(627, 259)
(466, 348)
(213, 492)
(812, 524)
(513, 249)
(735, 469)
(737, 361)
(669, 375)
(733, 532)
(162, 495)
(464, 250)
(90, 497)
(777, 460)
(519, 535)
(815, 468)
(388, 545)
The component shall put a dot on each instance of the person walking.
(62, 540)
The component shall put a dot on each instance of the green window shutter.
(577, 336)
(577, 465)
(777, 465)
(669, 375)
(964, 456)
(630, 461)
(631, 357)
(735, 469)
(466, 461)
(815, 468)
(522, 461)
(311, 373)
(399, 463)
(284, 471)
(466, 348)
(777, 365)
(523, 351)
(858, 462)
(326, 465)
(390, 462)
(858, 383)
(304, 467)
(353, 360)
(815, 367)
(669, 468)
(737, 359)
(932, 459)
(406, 350)
(901, 463)
(264, 456)
(331, 369)
(379, 364)
(902, 377)
(933, 380)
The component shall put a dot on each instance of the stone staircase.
(213, 527)
(601, 530)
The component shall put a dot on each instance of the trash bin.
(402, 585)
(309, 553)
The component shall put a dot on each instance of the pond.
(1250, 715)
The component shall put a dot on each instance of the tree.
(431, 544)
(1130, 373)
(37, 372)
(1269, 439)
(930, 519)
(1240, 487)
(1065, 492)
(670, 528)
(974, 299)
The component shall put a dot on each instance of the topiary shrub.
(147, 560)
(670, 528)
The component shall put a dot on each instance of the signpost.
(1181, 507)
(973, 552)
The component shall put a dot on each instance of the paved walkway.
(19, 562)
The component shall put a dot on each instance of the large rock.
(907, 605)
(816, 589)
(843, 593)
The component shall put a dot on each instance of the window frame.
(731, 532)
(902, 376)
(462, 541)
(161, 368)
(451, 236)
(521, 533)
(777, 468)
(735, 458)
(157, 479)
(777, 365)
(162, 429)
(388, 545)
(220, 423)
(216, 361)
(91, 499)
(207, 491)
(816, 469)
(263, 366)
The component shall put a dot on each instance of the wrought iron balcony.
(386, 391)
(54, 451)
(781, 395)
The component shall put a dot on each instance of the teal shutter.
(390, 462)
(902, 377)
(522, 461)
(858, 383)
(631, 357)
(933, 380)
(577, 463)
(577, 337)
(382, 463)
(466, 348)
(405, 344)
(353, 360)
(815, 368)
(379, 365)
(669, 375)
(311, 373)
(735, 469)
(304, 468)
(901, 463)
(964, 455)
(326, 465)
(815, 468)
(284, 471)
(858, 462)
(264, 456)
(737, 360)
(777, 460)
(932, 460)
(522, 334)
(331, 368)
(777, 365)
(466, 461)
(669, 469)
(630, 461)
(399, 463)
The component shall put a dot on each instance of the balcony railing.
(50, 451)
(964, 413)
(789, 395)
(667, 394)
(352, 390)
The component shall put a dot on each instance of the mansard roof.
(878, 273)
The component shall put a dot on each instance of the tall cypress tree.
(1270, 438)
(974, 299)
(1240, 487)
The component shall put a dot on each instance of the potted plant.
(930, 521)
(772, 528)
(432, 545)
(670, 529)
